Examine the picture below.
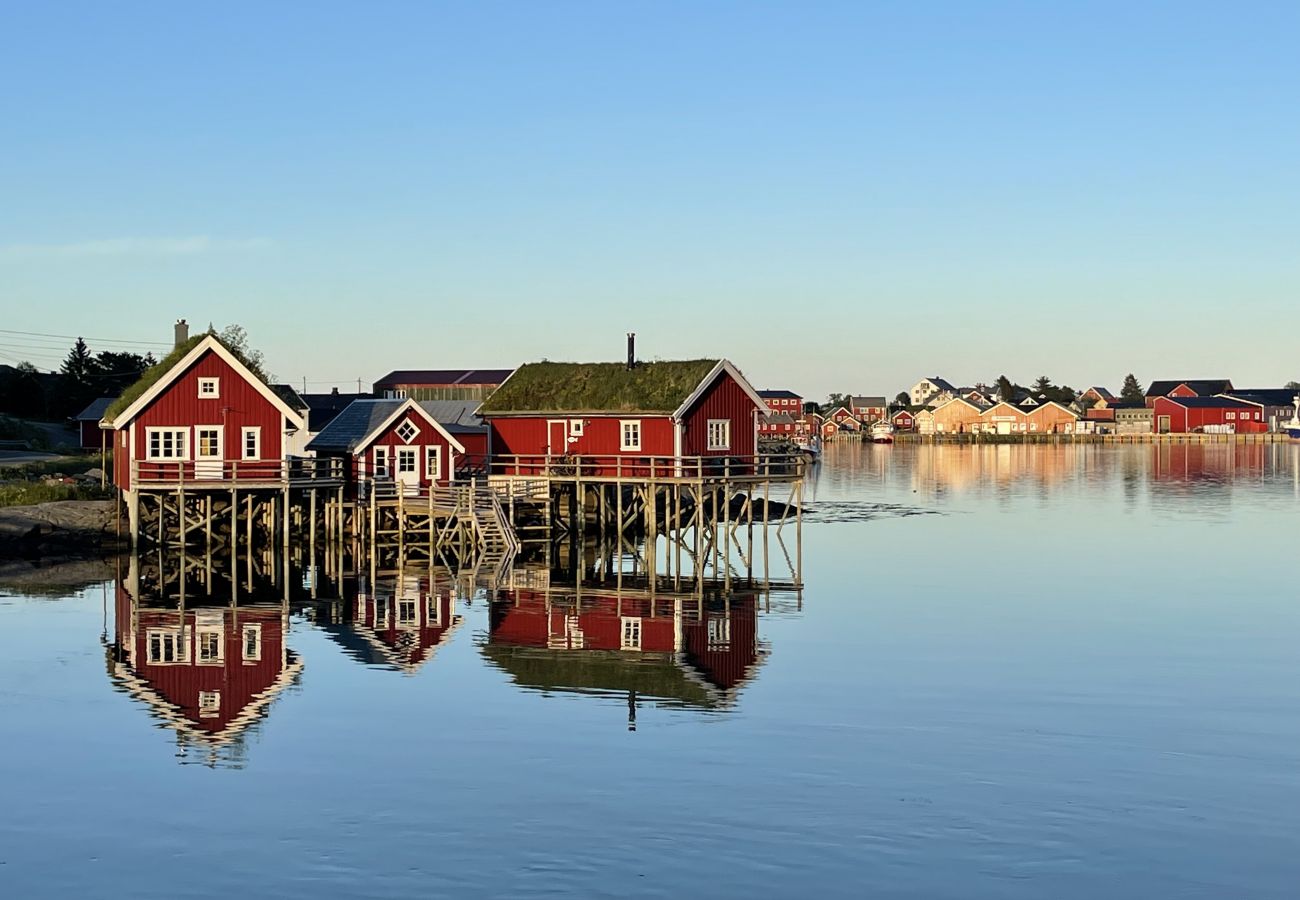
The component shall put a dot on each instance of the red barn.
(617, 418)
(207, 672)
(1222, 415)
(203, 415)
(392, 441)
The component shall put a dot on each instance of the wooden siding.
(725, 399)
(239, 404)
(427, 436)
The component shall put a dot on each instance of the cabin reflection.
(395, 622)
(208, 657)
(693, 651)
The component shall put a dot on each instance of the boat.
(1292, 428)
(882, 433)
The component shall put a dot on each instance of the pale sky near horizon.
(836, 196)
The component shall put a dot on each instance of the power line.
(73, 337)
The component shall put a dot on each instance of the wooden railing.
(628, 466)
(208, 473)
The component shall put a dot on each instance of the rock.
(95, 474)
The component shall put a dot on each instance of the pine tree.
(1043, 386)
(1006, 390)
(77, 364)
(1131, 391)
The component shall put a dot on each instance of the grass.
(63, 465)
(165, 365)
(595, 387)
(29, 493)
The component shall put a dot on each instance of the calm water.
(1012, 672)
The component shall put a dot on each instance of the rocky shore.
(61, 527)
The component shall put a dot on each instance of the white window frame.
(719, 633)
(255, 432)
(254, 632)
(176, 637)
(199, 655)
(407, 423)
(623, 426)
(411, 454)
(433, 612)
(575, 427)
(215, 384)
(383, 613)
(719, 441)
(209, 704)
(630, 633)
(198, 434)
(433, 462)
(382, 469)
(408, 613)
(180, 437)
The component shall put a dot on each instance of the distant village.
(934, 406)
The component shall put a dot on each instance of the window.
(252, 643)
(575, 427)
(719, 434)
(381, 612)
(433, 463)
(406, 459)
(209, 388)
(210, 647)
(631, 633)
(719, 633)
(407, 431)
(209, 704)
(208, 442)
(166, 646)
(166, 443)
(434, 612)
(631, 434)
(381, 462)
(406, 614)
(1232, 415)
(252, 443)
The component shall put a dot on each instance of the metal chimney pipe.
(631, 350)
(181, 332)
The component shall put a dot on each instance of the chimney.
(631, 350)
(181, 332)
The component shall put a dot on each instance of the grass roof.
(594, 387)
(165, 365)
(648, 674)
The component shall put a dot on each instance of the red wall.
(724, 400)
(428, 437)
(528, 623)
(238, 405)
(239, 682)
(1183, 420)
(601, 436)
(428, 632)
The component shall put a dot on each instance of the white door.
(1004, 428)
(208, 453)
(408, 472)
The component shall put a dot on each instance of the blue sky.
(837, 196)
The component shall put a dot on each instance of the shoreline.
(59, 528)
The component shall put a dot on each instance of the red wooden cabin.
(206, 418)
(207, 672)
(396, 442)
(1180, 415)
(405, 620)
(903, 420)
(613, 419)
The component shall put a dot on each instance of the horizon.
(836, 198)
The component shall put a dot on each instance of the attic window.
(407, 431)
(209, 704)
(209, 388)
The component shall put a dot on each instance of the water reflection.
(207, 659)
(395, 623)
(695, 650)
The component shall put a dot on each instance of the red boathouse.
(1222, 415)
(617, 419)
(203, 416)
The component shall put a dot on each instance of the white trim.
(722, 366)
(415, 429)
(151, 430)
(254, 628)
(387, 470)
(432, 452)
(405, 408)
(623, 445)
(724, 426)
(209, 342)
(256, 431)
(216, 387)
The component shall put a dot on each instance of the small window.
(381, 462)
(166, 646)
(381, 612)
(719, 434)
(209, 704)
(433, 463)
(209, 388)
(631, 434)
(631, 633)
(407, 431)
(252, 443)
(434, 612)
(719, 633)
(1232, 415)
(208, 442)
(575, 427)
(406, 459)
(211, 649)
(406, 613)
(252, 643)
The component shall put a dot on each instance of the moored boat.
(1292, 428)
(882, 433)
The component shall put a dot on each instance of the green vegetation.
(1131, 391)
(63, 465)
(17, 430)
(579, 387)
(649, 675)
(151, 376)
(29, 493)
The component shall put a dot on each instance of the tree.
(236, 340)
(112, 372)
(834, 400)
(902, 400)
(1131, 391)
(77, 363)
(1043, 386)
(1006, 390)
(1292, 386)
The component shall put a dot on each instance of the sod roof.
(152, 375)
(658, 387)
